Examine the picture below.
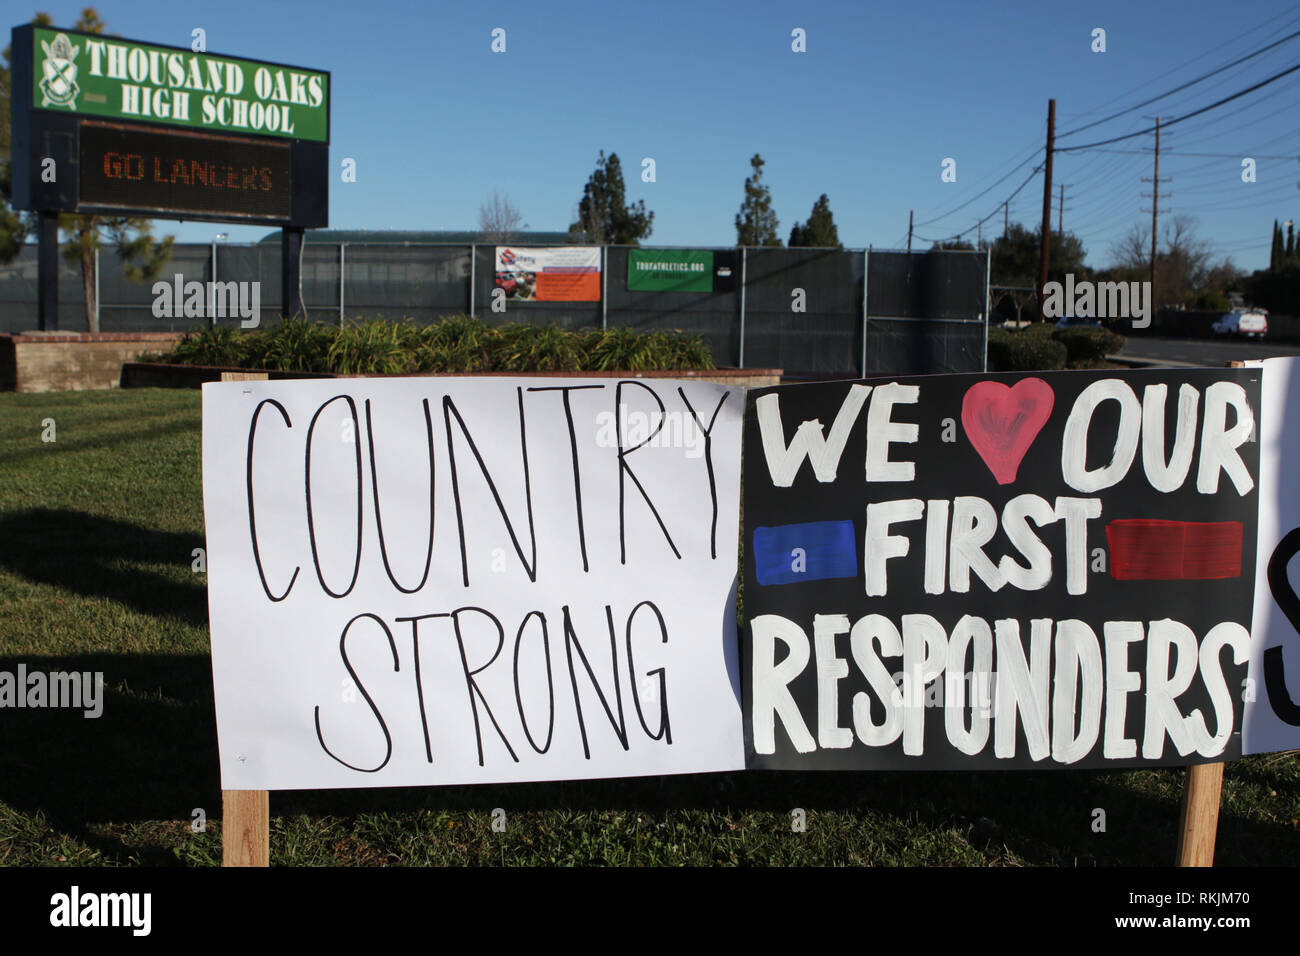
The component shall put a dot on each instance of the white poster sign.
(1272, 689)
(437, 581)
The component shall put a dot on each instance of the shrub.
(292, 345)
(692, 351)
(1212, 302)
(373, 347)
(217, 345)
(1088, 346)
(1029, 350)
(527, 348)
(456, 344)
(620, 348)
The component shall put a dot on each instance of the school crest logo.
(59, 84)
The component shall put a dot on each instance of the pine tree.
(1276, 251)
(1290, 240)
(820, 232)
(603, 218)
(756, 223)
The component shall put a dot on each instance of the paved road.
(1207, 352)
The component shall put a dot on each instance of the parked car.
(1252, 323)
(1077, 322)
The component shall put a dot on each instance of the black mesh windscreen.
(926, 285)
(923, 347)
(715, 316)
(802, 308)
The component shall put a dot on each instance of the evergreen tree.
(756, 223)
(603, 216)
(1290, 240)
(820, 232)
(1277, 250)
(1015, 257)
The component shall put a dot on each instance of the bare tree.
(1185, 268)
(1132, 253)
(499, 220)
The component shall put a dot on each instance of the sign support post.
(245, 828)
(47, 271)
(291, 303)
(1200, 817)
(1202, 791)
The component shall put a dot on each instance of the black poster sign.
(993, 571)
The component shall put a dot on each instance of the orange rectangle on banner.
(562, 286)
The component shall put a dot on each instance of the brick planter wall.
(62, 361)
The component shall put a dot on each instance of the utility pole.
(1060, 209)
(1006, 211)
(1047, 208)
(979, 233)
(1155, 210)
(909, 232)
(1155, 207)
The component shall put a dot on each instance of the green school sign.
(124, 80)
(669, 270)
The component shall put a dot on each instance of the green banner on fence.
(669, 270)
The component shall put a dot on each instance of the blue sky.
(885, 92)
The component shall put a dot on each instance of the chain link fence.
(813, 312)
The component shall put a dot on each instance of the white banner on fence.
(549, 274)
(435, 581)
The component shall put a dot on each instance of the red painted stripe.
(1149, 549)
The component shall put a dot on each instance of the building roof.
(400, 236)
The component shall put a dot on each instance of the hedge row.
(454, 344)
(1041, 347)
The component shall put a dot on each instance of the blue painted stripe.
(828, 552)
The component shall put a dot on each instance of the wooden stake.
(245, 814)
(245, 828)
(1202, 791)
(1200, 817)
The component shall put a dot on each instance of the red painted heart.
(1003, 422)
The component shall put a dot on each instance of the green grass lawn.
(97, 531)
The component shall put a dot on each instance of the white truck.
(1252, 323)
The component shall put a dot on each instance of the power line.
(1186, 116)
(981, 222)
(1176, 89)
(1205, 127)
(1217, 48)
(956, 209)
(1004, 205)
(1178, 152)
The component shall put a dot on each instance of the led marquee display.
(151, 171)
